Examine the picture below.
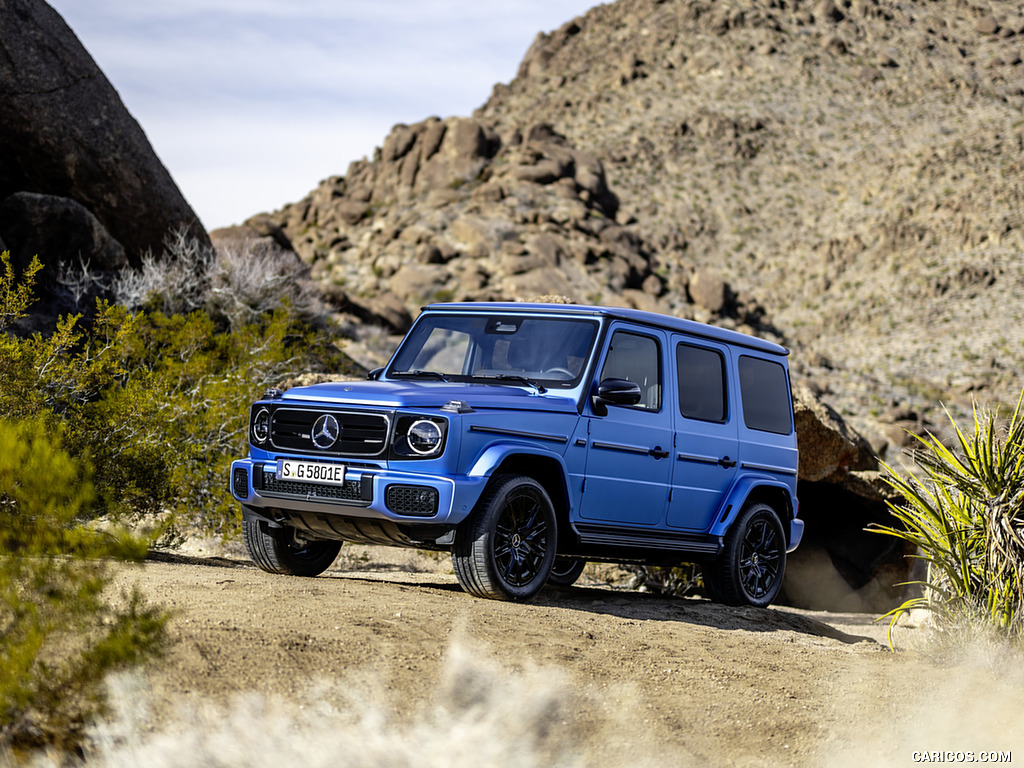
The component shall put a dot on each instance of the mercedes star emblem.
(325, 431)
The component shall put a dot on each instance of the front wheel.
(753, 561)
(506, 548)
(280, 550)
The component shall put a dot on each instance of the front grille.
(418, 500)
(360, 434)
(352, 490)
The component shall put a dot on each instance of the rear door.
(629, 448)
(706, 449)
(767, 428)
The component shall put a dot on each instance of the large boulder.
(66, 133)
(842, 563)
(829, 447)
(44, 224)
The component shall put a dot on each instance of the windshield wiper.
(514, 377)
(420, 375)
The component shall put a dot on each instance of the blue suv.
(527, 439)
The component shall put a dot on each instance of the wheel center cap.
(756, 559)
(517, 540)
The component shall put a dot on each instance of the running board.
(631, 538)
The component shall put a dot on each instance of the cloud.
(244, 100)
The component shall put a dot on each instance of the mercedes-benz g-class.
(527, 439)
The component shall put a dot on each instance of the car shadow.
(642, 606)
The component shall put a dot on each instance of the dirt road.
(628, 677)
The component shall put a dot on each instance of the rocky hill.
(845, 177)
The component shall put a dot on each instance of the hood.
(395, 394)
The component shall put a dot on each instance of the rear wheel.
(753, 561)
(566, 571)
(281, 550)
(506, 548)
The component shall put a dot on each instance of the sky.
(251, 103)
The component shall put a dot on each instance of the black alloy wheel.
(750, 569)
(761, 556)
(506, 548)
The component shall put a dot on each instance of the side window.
(701, 374)
(636, 358)
(764, 390)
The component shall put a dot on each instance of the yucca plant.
(964, 514)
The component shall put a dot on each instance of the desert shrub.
(677, 581)
(59, 637)
(174, 282)
(112, 419)
(478, 713)
(157, 403)
(964, 512)
(249, 279)
(234, 285)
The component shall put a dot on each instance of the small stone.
(987, 25)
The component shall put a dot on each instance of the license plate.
(310, 472)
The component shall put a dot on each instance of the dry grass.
(481, 714)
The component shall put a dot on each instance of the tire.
(566, 571)
(506, 548)
(278, 550)
(753, 561)
(709, 583)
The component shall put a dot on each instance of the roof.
(654, 319)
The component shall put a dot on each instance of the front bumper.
(369, 492)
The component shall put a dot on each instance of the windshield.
(511, 349)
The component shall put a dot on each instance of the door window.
(636, 358)
(701, 375)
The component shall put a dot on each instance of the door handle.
(658, 453)
(726, 462)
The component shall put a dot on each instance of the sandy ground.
(640, 678)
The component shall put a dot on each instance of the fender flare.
(554, 477)
(495, 454)
(742, 491)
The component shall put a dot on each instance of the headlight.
(419, 437)
(424, 437)
(261, 426)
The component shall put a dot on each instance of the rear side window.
(701, 374)
(764, 390)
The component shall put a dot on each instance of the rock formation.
(844, 177)
(71, 148)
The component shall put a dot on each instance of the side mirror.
(615, 392)
(375, 374)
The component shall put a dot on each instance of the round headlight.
(424, 437)
(261, 426)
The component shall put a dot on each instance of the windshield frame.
(489, 347)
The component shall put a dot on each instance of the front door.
(629, 447)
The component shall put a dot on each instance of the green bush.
(965, 515)
(124, 417)
(156, 403)
(59, 637)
